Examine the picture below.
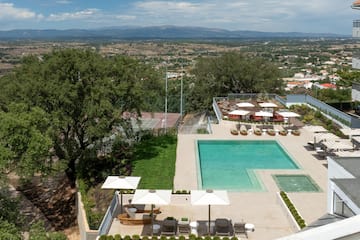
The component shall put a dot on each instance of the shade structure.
(121, 182)
(152, 197)
(338, 144)
(263, 114)
(268, 105)
(288, 114)
(239, 112)
(209, 197)
(245, 104)
(315, 129)
(350, 131)
(324, 136)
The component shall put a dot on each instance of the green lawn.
(155, 162)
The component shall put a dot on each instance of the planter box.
(294, 224)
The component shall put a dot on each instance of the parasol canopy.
(209, 197)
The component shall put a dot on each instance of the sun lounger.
(243, 130)
(223, 227)
(169, 226)
(239, 228)
(184, 226)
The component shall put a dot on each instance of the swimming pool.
(230, 164)
(296, 183)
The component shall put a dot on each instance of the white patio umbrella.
(121, 182)
(288, 114)
(239, 112)
(209, 197)
(263, 114)
(245, 104)
(268, 105)
(152, 197)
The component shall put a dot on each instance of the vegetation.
(232, 73)
(315, 117)
(153, 159)
(76, 98)
(299, 220)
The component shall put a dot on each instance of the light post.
(166, 93)
(181, 91)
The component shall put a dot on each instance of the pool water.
(230, 165)
(296, 183)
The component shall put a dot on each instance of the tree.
(24, 140)
(233, 73)
(84, 96)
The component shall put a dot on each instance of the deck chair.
(184, 226)
(169, 227)
(222, 227)
(239, 228)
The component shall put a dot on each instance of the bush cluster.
(299, 220)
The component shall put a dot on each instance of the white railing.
(108, 218)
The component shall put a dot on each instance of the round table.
(156, 228)
(249, 227)
(193, 227)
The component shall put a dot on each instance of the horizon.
(166, 26)
(232, 15)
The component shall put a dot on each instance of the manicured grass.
(155, 162)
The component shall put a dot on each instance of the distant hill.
(155, 32)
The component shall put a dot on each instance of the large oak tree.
(232, 73)
(81, 96)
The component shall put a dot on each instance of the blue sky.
(320, 16)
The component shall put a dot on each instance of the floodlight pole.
(166, 95)
(181, 91)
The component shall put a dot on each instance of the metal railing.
(108, 218)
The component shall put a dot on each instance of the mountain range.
(154, 32)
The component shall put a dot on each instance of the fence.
(108, 218)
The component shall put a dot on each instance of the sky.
(310, 16)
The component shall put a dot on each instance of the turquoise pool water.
(229, 165)
(296, 183)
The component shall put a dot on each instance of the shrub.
(117, 237)
(135, 237)
(299, 220)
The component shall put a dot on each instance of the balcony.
(356, 29)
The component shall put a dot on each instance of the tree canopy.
(232, 73)
(69, 101)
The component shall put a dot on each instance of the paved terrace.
(260, 208)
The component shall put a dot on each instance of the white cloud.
(84, 14)
(261, 15)
(9, 11)
(63, 2)
(125, 17)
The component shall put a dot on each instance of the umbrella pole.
(152, 219)
(209, 221)
(121, 202)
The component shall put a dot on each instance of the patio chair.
(223, 227)
(239, 228)
(169, 226)
(184, 226)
